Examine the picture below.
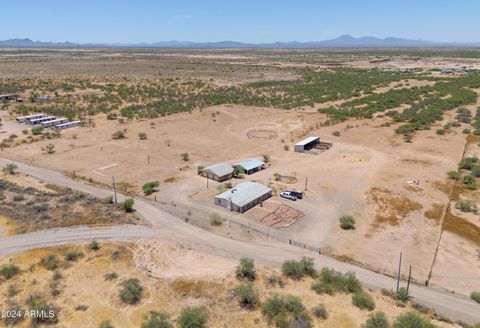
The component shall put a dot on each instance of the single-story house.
(250, 166)
(218, 172)
(243, 196)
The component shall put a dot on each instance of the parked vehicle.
(298, 194)
(288, 195)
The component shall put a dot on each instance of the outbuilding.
(250, 166)
(307, 144)
(218, 172)
(243, 196)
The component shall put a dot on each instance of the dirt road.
(164, 225)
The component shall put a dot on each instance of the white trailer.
(23, 119)
(41, 119)
(58, 121)
(68, 125)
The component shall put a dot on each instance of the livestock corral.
(248, 131)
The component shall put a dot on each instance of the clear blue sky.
(242, 20)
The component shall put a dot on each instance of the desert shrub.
(150, 187)
(246, 269)
(36, 130)
(347, 222)
(475, 296)
(247, 296)
(363, 301)
(286, 311)
(466, 131)
(376, 320)
(57, 275)
(50, 262)
(266, 158)
(330, 281)
(411, 320)
(156, 320)
(215, 219)
(466, 205)
(320, 311)
(298, 269)
(72, 256)
(94, 245)
(10, 169)
(105, 324)
(120, 134)
(470, 182)
(38, 304)
(131, 291)
(336, 133)
(9, 271)
(401, 295)
(185, 157)
(18, 198)
(12, 290)
(142, 136)
(200, 168)
(191, 317)
(110, 276)
(453, 175)
(476, 171)
(441, 131)
(468, 162)
(128, 205)
(286, 148)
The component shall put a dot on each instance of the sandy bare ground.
(163, 291)
(340, 180)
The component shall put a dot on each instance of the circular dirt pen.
(262, 134)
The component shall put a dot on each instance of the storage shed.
(250, 166)
(218, 172)
(307, 144)
(244, 196)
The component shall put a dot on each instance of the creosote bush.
(347, 222)
(363, 301)
(192, 317)
(150, 187)
(286, 311)
(246, 269)
(128, 205)
(376, 320)
(247, 297)
(475, 296)
(298, 269)
(410, 319)
(131, 291)
(330, 281)
(9, 271)
(156, 320)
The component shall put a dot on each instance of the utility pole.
(399, 269)
(207, 180)
(114, 190)
(409, 276)
(148, 159)
(306, 183)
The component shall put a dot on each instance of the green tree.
(150, 187)
(347, 222)
(128, 205)
(37, 129)
(475, 296)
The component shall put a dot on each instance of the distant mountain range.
(344, 41)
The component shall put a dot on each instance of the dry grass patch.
(462, 228)
(435, 213)
(390, 208)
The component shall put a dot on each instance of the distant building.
(44, 98)
(23, 119)
(218, 172)
(41, 120)
(9, 97)
(311, 143)
(68, 125)
(250, 166)
(244, 196)
(55, 122)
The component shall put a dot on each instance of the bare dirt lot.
(393, 184)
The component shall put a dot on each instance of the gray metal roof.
(307, 141)
(244, 193)
(250, 164)
(219, 169)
